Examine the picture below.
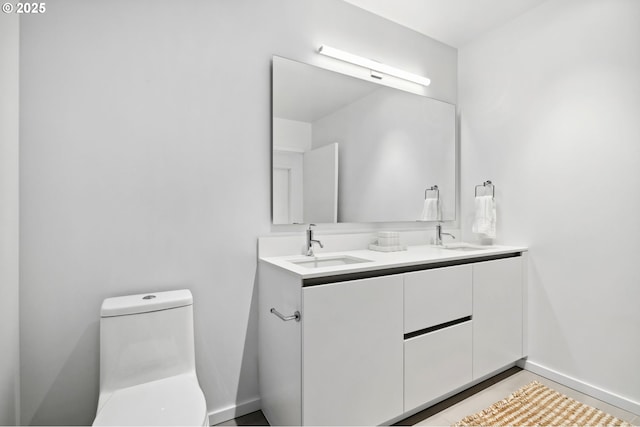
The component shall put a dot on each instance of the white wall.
(549, 108)
(145, 165)
(9, 219)
(291, 134)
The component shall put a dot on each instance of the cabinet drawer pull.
(295, 315)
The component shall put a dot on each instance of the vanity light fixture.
(375, 66)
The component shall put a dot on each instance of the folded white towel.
(485, 220)
(431, 210)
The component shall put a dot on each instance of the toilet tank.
(145, 338)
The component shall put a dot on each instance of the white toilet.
(147, 362)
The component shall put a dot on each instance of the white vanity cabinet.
(342, 363)
(437, 326)
(352, 350)
(436, 296)
(497, 314)
(373, 346)
(436, 363)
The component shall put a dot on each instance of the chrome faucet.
(311, 240)
(439, 234)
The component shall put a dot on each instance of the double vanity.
(358, 337)
(361, 337)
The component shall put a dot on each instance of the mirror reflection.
(351, 150)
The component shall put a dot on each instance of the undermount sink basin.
(332, 261)
(461, 246)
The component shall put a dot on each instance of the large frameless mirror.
(351, 150)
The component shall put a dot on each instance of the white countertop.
(414, 255)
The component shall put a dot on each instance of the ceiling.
(453, 22)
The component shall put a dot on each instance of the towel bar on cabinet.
(295, 316)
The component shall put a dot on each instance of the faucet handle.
(311, 225)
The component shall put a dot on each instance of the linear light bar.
(373, 65)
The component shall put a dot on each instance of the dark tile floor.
(253, 419)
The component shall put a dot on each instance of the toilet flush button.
(149, 297)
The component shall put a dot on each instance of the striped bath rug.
(538, 405)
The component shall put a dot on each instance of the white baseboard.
(234, 411)
(581, 386)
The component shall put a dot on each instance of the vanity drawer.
(437, 296)
(436, 363)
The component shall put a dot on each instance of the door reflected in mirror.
(350, 150)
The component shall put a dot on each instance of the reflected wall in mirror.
(351, 150)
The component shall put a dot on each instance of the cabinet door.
(436, 363)
(353, 352)
(497, 314)
(432, 297)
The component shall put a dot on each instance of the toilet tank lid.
(144, 303)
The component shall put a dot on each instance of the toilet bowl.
(147, 362)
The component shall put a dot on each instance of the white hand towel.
(431, 210)
(485, 220)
